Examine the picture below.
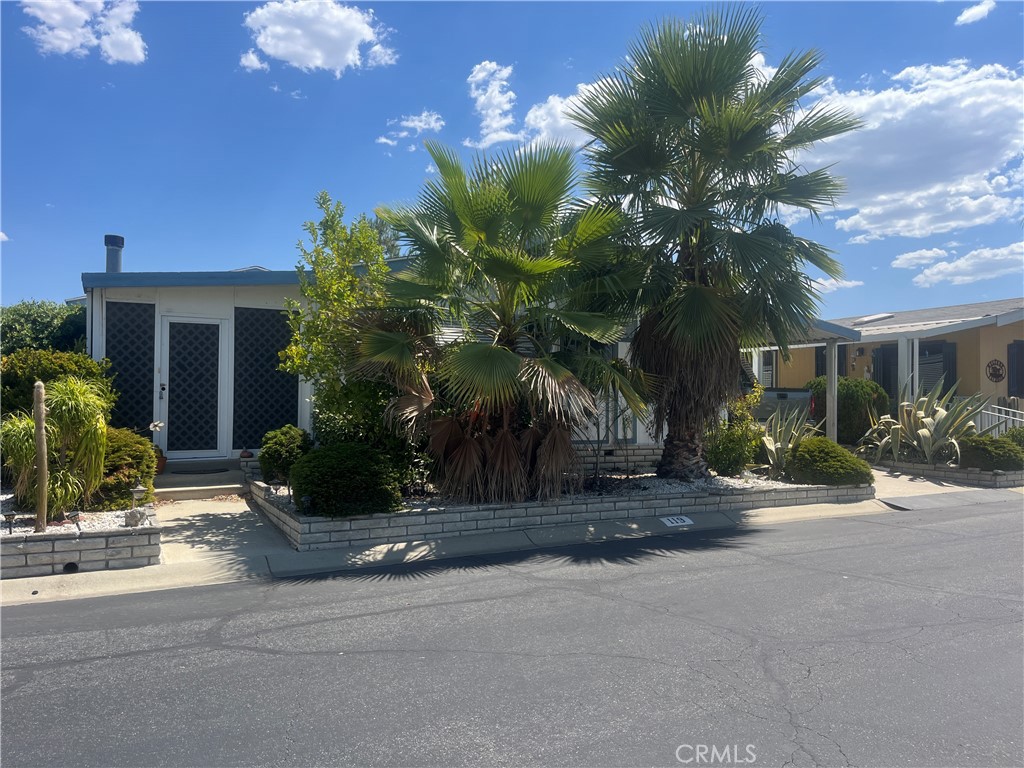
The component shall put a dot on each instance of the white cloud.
(252, 62)
(975, 12)
(431, 168)
(547, 120)
(296, 94)
(77, 26)
(411, 148)
(493, 102)
(275, 87)
(940, 151)
(4, 238)
(319, 34)
(424, 121)
(979, 264)
(385, 140)
(830, 284)
(381, 56)
(914, 259)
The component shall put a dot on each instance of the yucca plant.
(928, 426)
(487, 334)
(784, 431)
(76, 430)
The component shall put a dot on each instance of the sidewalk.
(221, 541)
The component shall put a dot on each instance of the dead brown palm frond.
(558, 464)
(464, 471)
(406, 412)
(445, 436)
(529, 443)
(506, 478)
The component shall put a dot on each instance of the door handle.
(163, 388)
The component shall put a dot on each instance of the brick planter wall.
(45, 554)
(964, 476)
(309, 533)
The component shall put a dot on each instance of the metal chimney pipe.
(115, 244)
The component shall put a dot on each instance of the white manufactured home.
(198, 351)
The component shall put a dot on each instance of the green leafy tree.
(42, 325)
(483, 336)
(341, 272)
(700, 150)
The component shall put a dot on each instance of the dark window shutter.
(1015, 369)
(949, 366)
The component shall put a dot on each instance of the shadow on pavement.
(633, 551)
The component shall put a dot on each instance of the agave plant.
(489, 336)
(784, 431)
(927, 427)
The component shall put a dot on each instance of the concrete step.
(184, 492)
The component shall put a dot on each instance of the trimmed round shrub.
(20, 370)
(989, 453)
(281, 448)
(853, 397)
(130, 458)
(346, 479)
(1015, 435)
(819, 461)
(42, 325)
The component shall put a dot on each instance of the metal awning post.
(831, 389)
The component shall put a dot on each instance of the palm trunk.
(683, 455)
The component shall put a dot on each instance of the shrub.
(281, 448)
(989, 453)
(819, 461)
(130, 459)
(854, 397)
(730, 447)
(346, 479)
(20, 371)
(1015, 435)
(356, 412)
(42, 325)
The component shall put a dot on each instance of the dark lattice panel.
(265, 398)
(130, 348)
(192, 372)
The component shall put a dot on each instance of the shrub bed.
(130, 458)
(280, 450)
(346, 479)
(819, 461)
(853, 397)
(991, 453)
(21, 370)
(1015, 435)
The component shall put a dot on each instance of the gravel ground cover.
(24, 524)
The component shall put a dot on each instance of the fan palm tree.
(483, 335)
(699, 148)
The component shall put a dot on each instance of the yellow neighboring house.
(981, 344)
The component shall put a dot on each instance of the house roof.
(92, 280)
(929, 322)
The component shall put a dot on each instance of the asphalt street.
(884, 640)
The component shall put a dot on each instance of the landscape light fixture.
(138, 492)
(9, 519)
(275, 486)
(76, 516)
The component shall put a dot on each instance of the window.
(819, 361)
(768, 368)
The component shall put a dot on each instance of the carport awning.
(822, 332)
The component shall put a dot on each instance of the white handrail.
(1000, 418)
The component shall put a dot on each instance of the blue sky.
(202, 131)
